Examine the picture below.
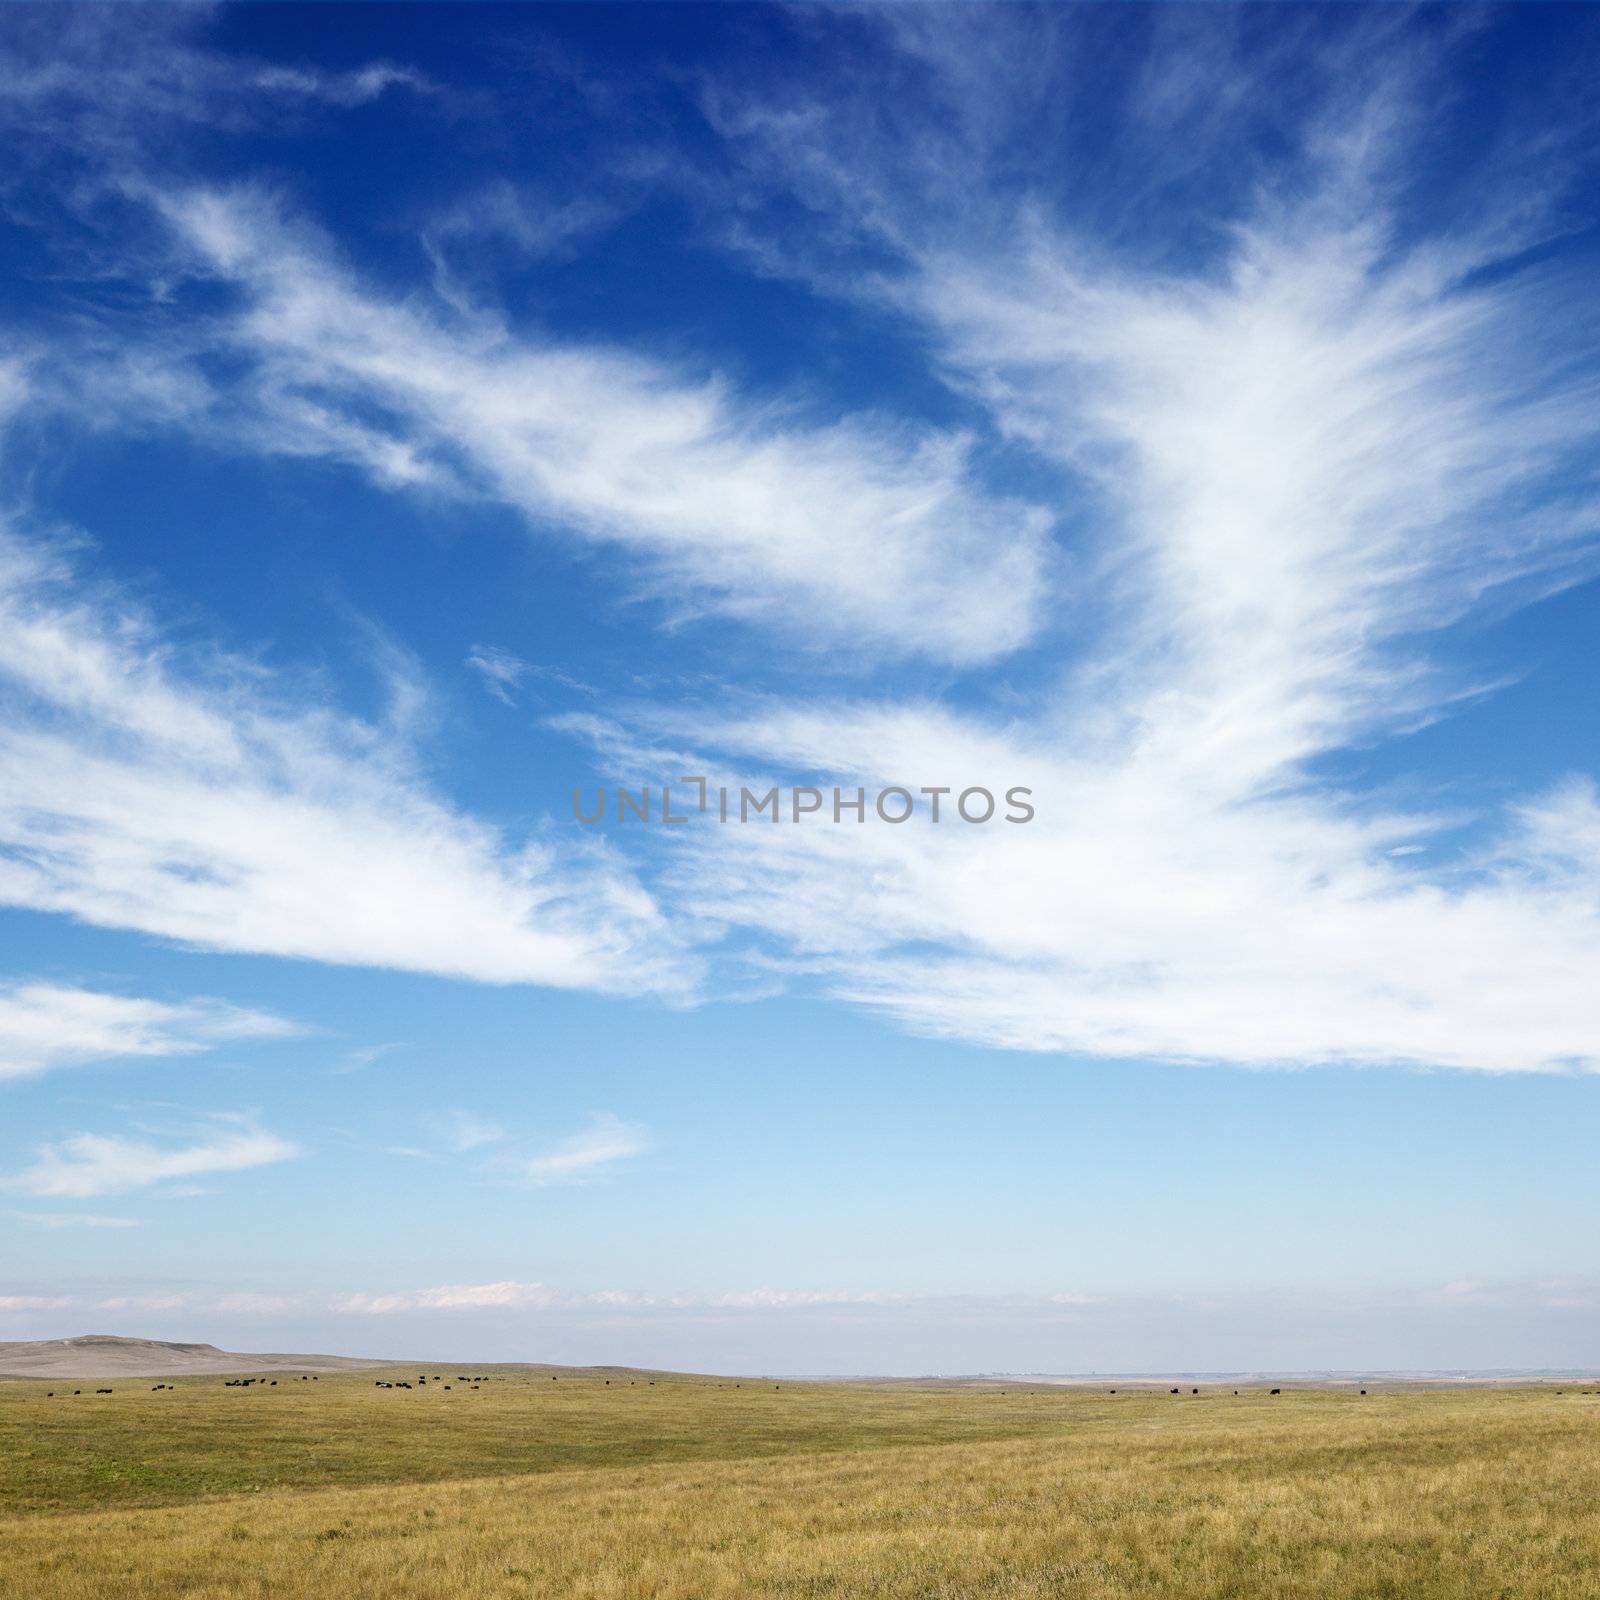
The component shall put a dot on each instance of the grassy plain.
(692, 1489)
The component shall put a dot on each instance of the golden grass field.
(692, 1489)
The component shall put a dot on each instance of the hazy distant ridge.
(108, 1355)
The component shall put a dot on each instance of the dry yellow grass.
(1314, 1495)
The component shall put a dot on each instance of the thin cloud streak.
(581, 1157)
(185, 799)
(462, 1131)
(858, 530)
(87, 1165)
(45, 1025)
(74, 1219)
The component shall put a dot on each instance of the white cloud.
(343, 89)
(1144, 914)
(500, 670)
(1303, 454)
(90, 1164)
(13, 387)
(196, 799)
(605, 1142)
(1304, 457)
(45, 1025)
(512, 1294)
(855, 530)
(451, 1297)
(251, 1304)
(145, 1302)
(113, 81)
(769, 1299)
(504, 673)
(364, 1056)
(461, 1131)
(463, 239)
(74, 1219)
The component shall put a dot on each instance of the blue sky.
(411, 415)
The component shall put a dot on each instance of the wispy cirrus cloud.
(500, 671)
(505, 220)
(504, 1155)
(463, 1131)
(46, 1025)
(87, 1165)
(364, 1056)
(188, 797)
(73, 1219)
(1295, 423)
(503, 673)
(579, 1158)
(861, 529)
(117, 82)
(1302, 449)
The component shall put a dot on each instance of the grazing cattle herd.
(472, 1384)
(227, 1383)
(422, 1382)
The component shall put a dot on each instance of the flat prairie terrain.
(677, 1488)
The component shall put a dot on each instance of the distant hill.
(108, 1355)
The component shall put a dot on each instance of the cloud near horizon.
(1458, 1299)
